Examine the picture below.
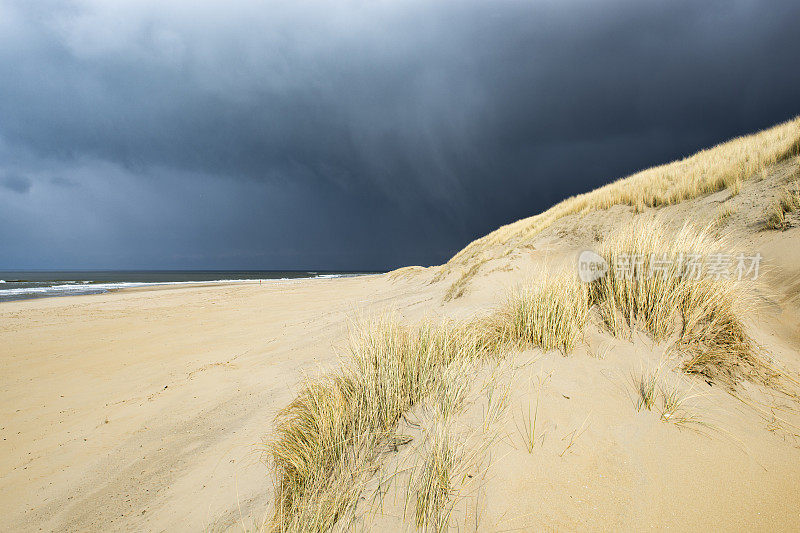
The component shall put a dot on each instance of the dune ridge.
(724, 166)
(332, 439)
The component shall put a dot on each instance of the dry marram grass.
(433, 484)
(550, 314)
(788, 202)
(327, 439)
(646, 387)
(663, 295)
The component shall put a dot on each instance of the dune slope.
(663, 381)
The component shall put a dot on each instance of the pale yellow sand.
(144, 409)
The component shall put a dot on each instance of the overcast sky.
(352, 134)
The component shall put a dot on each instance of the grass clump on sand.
(646, 386)
(673, 407)
(434, 483)
(456, 290)
(649, 385)
(549, 314)
(723, 214)
(663, 295)
(788, 202)
(328, 438)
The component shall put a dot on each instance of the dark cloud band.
(396, 131)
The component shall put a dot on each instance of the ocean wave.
(68, 288)
(75, 288)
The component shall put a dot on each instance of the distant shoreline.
(27, 285)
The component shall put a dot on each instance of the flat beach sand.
(145, 409)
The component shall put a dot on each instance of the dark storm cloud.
(15, 183)
(355, 134)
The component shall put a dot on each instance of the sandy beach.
(144, 409)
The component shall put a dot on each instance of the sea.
(21, 285)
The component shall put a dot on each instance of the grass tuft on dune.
(666, 298)
(788, 202)
(328, 438)
(549, 313)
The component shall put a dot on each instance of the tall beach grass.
(665, 298)
(327, 439)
